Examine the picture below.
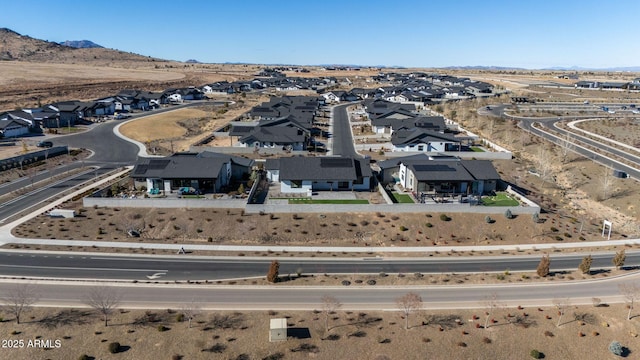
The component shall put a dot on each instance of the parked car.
(45, 144)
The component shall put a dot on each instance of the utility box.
(65, 213)
(278, 330)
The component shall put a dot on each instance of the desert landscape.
(575, 195)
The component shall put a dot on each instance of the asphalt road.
(603, 155)
(342, 137)
(307, 298)
(125, 267)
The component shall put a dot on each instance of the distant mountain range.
(578, 68)
(80, 44)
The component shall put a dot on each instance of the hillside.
(14, 46)
(81, 44)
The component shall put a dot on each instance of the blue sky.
(412, 33)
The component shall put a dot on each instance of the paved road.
(306, 298)
(603, 155)
(342, 136)
(109, 152)
(124, 267)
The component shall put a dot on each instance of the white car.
(611, 112)
(635, 111)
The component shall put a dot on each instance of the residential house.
(422, 140)
(303, 175)
(14, 128)
(387, 125)
(283, 137)
(436, 177)
(206, 172)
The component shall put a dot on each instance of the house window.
(420, 147)
(296, 184)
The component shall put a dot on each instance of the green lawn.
(501, 199)
(327, 201)
(402, 198)
(476, 149)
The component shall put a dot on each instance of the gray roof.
(178, 167)
(205, 165)
(440, 171)
(278, 135)
(418, 135)
(481, 169)
(323, 168)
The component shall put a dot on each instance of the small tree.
(508, 214)
(274, 268)
(330, 305)
(104, 300)
(631, 293)
(543, 267)
(19, 300)
(619, 258)
(491, 303)
(562, 305)
(190, 311)
(585, 265)
(409, 303)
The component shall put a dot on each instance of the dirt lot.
(231, 226)
(623, 130)
(178, 130)
(585, 333)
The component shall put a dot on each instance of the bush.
(403, 228)
(162, 328)
(508, 214)
(179, 317)
(346, 282)
(535, 354)
(444, 217)
(488, 219)
(535, 218)
(615, 348)
(114, 347)
(429, 225)
(84, 357)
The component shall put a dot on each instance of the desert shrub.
(307, 348)
(84, 357)
(403, 228)
(371, 282)
(444, 217)
(429, 225)
(162, 328)
(176, 357)
(548, 333)
(553, 229)
(358, 334)
(333, 337)
(508, 214)
(488, 219)
(275, 356)
(346, 282)
(114, 347)
(217, 348)
(615, 348)
(462, 344)
(486, 340)
(535, 354)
